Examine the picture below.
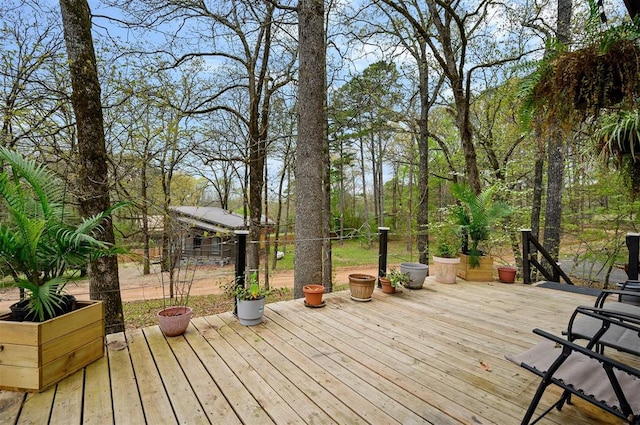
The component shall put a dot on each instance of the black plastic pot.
(20, 310)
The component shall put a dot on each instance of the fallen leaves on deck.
(485, 366)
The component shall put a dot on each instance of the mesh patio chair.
(618, 337)
(603, 381)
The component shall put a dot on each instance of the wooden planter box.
(484, 273)
(34, 356)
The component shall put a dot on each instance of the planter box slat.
(19, 378)
(62, 346)
(59, 347)
(20, 355)
(71, 322)
(72, 362)
(22, 333)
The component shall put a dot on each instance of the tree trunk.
(267, 233)
(93, 172)
(394, 196)
(327, 252)
(310, 147)
(259, 91)
(423, 176)
(343, 205)
(453, 64)
(380, 182)
(410, 206)
(144, 210)
(555, 152)
(283, 176)
(553, 214)
(366, 228)
(536, 202)
(257, 154)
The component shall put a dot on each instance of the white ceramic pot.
(250, 312)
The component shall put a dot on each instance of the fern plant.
(618, 133)
(476, 214)
(41, 239)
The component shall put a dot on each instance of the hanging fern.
(570, 87)
(618, 134)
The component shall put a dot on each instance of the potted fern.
(44, 244)
(476, 213)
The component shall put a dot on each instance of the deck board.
(430, 356)
(184, 402)
(97, 394)
(127, 405)
(68, 401)
(417, 359)
(247, 408)
(283, 385)
(212, 400)
(155, 400)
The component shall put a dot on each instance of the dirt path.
(208, 280)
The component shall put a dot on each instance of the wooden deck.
(431, 356)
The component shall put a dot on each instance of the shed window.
(197, 241)
(215, 246)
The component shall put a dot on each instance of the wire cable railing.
(151, 288)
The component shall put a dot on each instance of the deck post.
(526, 254)
(382, 253)
(241, 262)
(633, 245)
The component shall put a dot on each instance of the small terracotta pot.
(313, 294)
(507, 274)
(387, 287)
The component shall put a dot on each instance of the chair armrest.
(635, 284)
(605, 293)
(625, 319)
(629, 320)
(614, 327)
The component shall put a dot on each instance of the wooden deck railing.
(530, 248)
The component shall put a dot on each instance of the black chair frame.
(625, 410)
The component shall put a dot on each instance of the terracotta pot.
(507, 274)
(174, 321)
(313, 294)
(387, 287)
(361, 286)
